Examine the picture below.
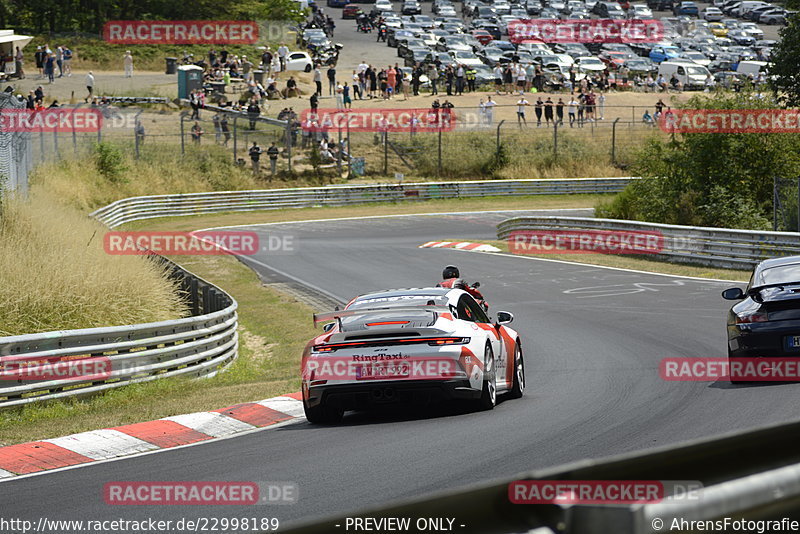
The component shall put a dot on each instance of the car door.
(469, 310)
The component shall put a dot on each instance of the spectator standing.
(433, 76)
(572, 108)
(489, 105)
(253, 111)
(521, 105)
(601, 105)
(127, 64)
(318, 80)
(416, 74)
(548, 111)
(226, 132)
(314, 102)
(217, 128)
(539, 107)
(391, 79)
(67, 61)
(348, 103)
(39, 57)
(498, 79)
(339, 96)
(60, 61)
(90, 85)
(50, 67)
(273, 153)
(472, 76)
(255, 155)
(283, 50)
(247, 69)
(560, 112)
(197, 132)
(460, 75)
(19, 59)
(331, 80)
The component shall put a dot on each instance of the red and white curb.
(461, 245)
(174, 431)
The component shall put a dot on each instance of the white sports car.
(410, 346)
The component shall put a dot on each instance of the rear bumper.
(763, 340)
(371, 394)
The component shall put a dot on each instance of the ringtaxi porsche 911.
(411, 346)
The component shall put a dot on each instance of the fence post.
(55, 143)
(235, 137)
(289, 144)
(386, 152)
(775, 204)
(183, 141)
(339, 153)
(555, 140)
(74, 135)
(439, 163)
(136, 131)
(41, 142)
(497, 150)
(614, 141)
(349, 154)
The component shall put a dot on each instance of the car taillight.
(755, 317)
(449, 341)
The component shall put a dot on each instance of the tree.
(786, 61)
(710, 179)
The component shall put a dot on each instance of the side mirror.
(504, 317)
(476, 285)
(733, 293)
(328, 327)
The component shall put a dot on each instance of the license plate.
(793, 342)
(383, 371)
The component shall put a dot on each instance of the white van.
(746, 6)
(691, 75)
(752, 67)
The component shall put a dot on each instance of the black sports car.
(766, 323)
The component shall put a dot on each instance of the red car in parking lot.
(482, 36)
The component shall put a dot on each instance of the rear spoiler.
(755, 291)
(338, 314)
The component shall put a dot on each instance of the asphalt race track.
(592, 337)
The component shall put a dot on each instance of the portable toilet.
(190, 78)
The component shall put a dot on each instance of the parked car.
(640, 11)
(713, 14)
(686, 8)
(663, 53)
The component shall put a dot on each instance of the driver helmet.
(451, 271)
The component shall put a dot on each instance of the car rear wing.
(338, 314)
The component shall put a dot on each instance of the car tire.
(488, 398)
(307, 69)
(518, 385)
(730, 360)
(323, 414)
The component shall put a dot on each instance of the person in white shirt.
(498, 79)
(489, 107)
(521, 104)
(90, 85)
(481, 113)
(362, 67)
(283, 50)
(521, 78)
(601, 105)
(127, 62)
(572, 109)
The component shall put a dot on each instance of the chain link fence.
(15, 151)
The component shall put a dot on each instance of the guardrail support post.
(555, 140)
(439, 163)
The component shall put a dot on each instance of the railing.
(739, 481)
(718, 247)
(53, 365)
(138, 208)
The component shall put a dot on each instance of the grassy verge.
(54, 274)
(267, 366)
(638, 263)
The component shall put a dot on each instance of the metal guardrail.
(739, 481)
(717, 247)
(59, 364)
(138, 208)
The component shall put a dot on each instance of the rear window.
(403, 300)
(778, 275)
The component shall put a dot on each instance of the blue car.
(685, 8)
(337, 3)
(664, 53)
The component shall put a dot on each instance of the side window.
(469, 310)
(681, 71)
